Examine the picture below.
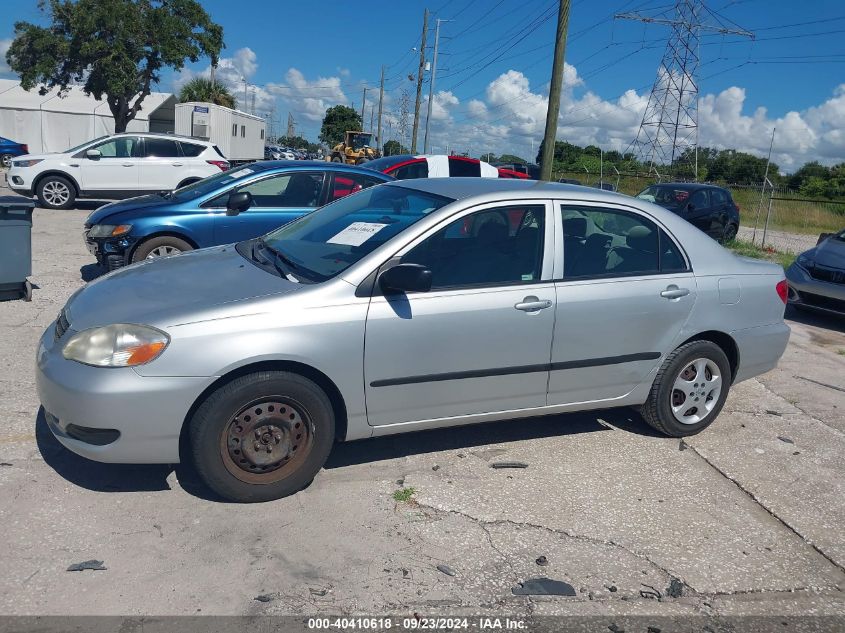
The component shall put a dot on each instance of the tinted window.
(718, 197)
(243, 131)
(671, 260)
(279, 191)
(123, 147)
(418, 169)
(463, 167)
(234, 129)
(190, 149)
(344, 184)
(491, 247)
(700, 199)
(160, 147)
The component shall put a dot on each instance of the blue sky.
(494, 68)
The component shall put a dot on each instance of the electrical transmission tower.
(668, 133)
(291, 132)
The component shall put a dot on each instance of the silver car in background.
(411, 305)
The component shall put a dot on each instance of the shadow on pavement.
(89, 272)
(90, 205)
(821, 320)
(101, 477)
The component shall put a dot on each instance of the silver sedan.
(412, 305)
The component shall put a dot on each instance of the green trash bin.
(15, 247)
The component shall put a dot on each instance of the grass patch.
(404, 494)
(841, 352)
(747, 249)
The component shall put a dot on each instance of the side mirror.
(823, 237)
(93, 154)
(406, 278)
(237, 202)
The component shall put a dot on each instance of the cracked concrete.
(749, 522)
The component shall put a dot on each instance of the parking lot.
(745, 518)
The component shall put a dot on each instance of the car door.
(277, 199)
(625, 293)
(115, 171)
(719, 213)
(479, 340)
(697, 210)
(161, 164)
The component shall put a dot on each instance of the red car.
(405, 166)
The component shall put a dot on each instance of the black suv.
(707, 207)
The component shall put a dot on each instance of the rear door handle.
(673, 292)
(128, 165)
(533, 304)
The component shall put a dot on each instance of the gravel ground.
(794, 243)
(743, 519)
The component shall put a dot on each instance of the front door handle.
(128, 165)
(673, 292)
(533, 304)
(177, 164)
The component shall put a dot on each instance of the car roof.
(263, 165)
(460, 188)
(687, 186)
(178, 137)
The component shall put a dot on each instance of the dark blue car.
(232, 206)
(9, 150)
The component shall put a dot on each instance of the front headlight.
(26, 163)
(109, 230)
(119, 345)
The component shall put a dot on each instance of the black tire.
(657, 410)
(6, 160)
(729, 234)
(361, 161)
(337, 159)
(213, 436)
(186, 182)
(55, 192)
(162, 243)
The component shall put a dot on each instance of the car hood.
(831, 254)
(147, 202)
(173, 290)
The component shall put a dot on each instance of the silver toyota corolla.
(412, 305)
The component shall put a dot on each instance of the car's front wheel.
(689, 390)
(262, 436)
(729, 234)
(160, 247)
(6, 160)
(56, 192)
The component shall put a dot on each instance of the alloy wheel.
(56, 193)
(696, 391)
(163, 251)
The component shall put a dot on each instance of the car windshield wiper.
(287, 261)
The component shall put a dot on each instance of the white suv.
(118, 166)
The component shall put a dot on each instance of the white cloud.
(308, 99)
(4, 48)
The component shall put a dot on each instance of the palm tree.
(201, 89)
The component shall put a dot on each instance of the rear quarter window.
(191, 149)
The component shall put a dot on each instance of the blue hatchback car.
(10, 149)
(239, 204)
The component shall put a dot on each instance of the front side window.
(160, 148)
(122, 147)
(602, 243)
(296, 190)
(491, 247)
(329, 240)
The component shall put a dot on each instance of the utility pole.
(419, 84)
(380, 100)
(431, 83)
(554, 92)
(372, 114)
(246, 103)
(363, 105)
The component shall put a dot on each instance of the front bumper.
(19, 181)
(805, 291)
(147, 412)
(113, 252)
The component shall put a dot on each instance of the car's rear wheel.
(160, 247)
(689, 390)
(56, 192)
(262, 436)
(337, 159)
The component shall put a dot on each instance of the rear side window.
(719, 198)
(418, 169)
(700, 199)
(219, 153)
(344, 184)
(601, 243)
(160, 148)
(461, 167)
(191, 149)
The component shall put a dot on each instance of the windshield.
(85, 144)
(210, 184)
(329, 240)
(361, 140)
(669, 197)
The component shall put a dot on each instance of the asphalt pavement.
(745, 518)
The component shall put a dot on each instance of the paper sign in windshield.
(356, 233)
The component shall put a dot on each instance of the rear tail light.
(25, 148)
(782, 289)
(221, 164)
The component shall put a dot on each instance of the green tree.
(337, 121)
(510, 158)
(201, 89)
(394, 148)
(297, 142)
(118, 48)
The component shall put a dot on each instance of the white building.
(53, 123)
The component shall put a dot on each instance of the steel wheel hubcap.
(56, 193)
(163, 251)
(696, 391)
(267, 440)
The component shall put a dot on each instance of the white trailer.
(240, 136)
